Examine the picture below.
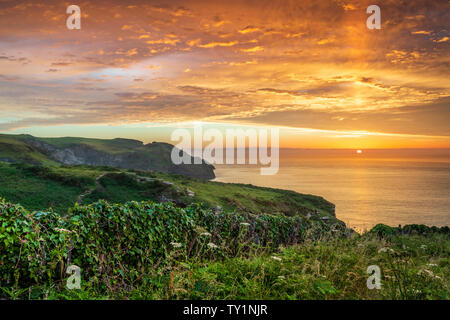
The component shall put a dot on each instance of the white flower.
(176, 244)
(385, 250)
(245, 224)
(432, 265)
(276, 258)
(212, 245)
(206, 234)
(430, 273)
(423, 246)
(281, 277)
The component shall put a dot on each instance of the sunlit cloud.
(296, 64)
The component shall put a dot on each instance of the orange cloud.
(218, 44)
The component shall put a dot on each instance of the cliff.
(119, 153)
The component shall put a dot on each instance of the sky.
(140, 69)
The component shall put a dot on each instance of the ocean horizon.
(390, 186)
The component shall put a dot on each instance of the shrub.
(32, 245)
(116, 244)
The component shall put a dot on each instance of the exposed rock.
(151, 157)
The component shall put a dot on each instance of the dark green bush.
(32, 245)
(115, 243)
(383, 230)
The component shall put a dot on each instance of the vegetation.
(118, 153)
(13, 149)
(38, 188)
(147, 250)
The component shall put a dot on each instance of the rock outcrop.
(131, 154)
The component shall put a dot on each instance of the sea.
(393, 187)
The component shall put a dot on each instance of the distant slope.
(120, 153)
(38, 188)
(13, 149)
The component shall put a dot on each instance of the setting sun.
(358, 151)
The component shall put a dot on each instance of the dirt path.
(88, 192)
(139, 179)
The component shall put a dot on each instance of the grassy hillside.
(110, 146)
(28, 185)
(119, 153)
(14, 149)
(39, 188)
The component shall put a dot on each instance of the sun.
(359, 151)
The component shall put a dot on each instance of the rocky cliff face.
(136, 155)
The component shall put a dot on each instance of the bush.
(116, 244)
(32, 245)
(383, 230)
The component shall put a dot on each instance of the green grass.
(20, 183)
(249, 198)
(111, 146)
(12, 148)
(419, 268)
(36, 192)
(323, 270)
(123, 187)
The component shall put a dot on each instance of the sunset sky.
(139, 69)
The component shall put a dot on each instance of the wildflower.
(430, 273)
(206, 234)
(282, 277)
(432, 265)
(176, 244)
(212, 245)
(385, 250)
(276, 258)
(245, 224)
(62, 230)
(423, 246)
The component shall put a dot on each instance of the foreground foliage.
(147, 250)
